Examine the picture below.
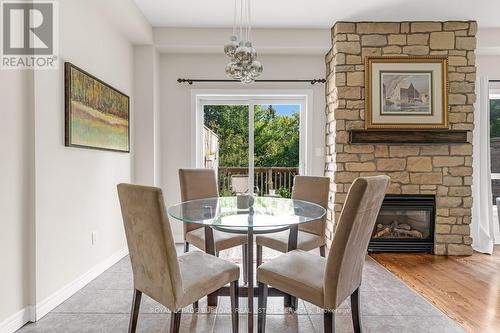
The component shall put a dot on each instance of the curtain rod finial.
(189, 81)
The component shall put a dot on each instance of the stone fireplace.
(440, 170)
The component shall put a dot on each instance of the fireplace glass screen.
(405, 224)
(402, 224)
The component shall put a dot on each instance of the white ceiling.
(316, 13)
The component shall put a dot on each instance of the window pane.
(495, 137)
(276, 147)
(226, 145)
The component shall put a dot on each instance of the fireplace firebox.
(405, 224)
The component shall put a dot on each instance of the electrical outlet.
(94, 237)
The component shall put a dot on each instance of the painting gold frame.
(443, 90)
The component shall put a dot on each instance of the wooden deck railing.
(265, 178)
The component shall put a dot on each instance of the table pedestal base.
(250, 291)
(243, 292)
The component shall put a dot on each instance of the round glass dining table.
(248, 215)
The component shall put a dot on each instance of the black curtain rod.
(191, 81)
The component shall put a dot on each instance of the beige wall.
(16, 189)
(146, 115)
(76, 188)
(175, 112)
(488, 66)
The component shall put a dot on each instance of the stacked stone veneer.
(444, 170)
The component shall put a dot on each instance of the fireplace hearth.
(405, 224)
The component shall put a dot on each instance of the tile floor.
(387, 305)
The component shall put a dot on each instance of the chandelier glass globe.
(234, 70)
(247, 79)
(243, 55)
(253, 52)
(244, 65)
(231, 46)
(256, 68)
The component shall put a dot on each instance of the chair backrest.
(239, 184)
(197, 184)
(151, 244)
(316, 190)
(344, 266)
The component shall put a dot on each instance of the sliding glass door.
(276, 147)
(226, 145)
(255, 144)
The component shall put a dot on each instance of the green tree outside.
(494, 118)
(230, 123)
(276, 137)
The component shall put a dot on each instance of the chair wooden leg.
(329, 321)
(261, 324)
(322, 250)
(175, 321)
(134, 313)
(294, 301)
(259, 255)
(356, 319)
(290, 302)
(244, 258)
(234, 292)
(212, 300)
(186, 247)
(287, 300)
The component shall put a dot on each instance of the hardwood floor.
(467, 289)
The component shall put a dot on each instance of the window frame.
(302, 97)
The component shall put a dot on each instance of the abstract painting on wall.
(96, 114)
(406, 92)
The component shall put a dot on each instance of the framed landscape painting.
(406, 93)
(96, 114)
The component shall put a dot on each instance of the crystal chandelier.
(243, 65)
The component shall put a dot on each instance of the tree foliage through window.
(276, 136)
(494, 118)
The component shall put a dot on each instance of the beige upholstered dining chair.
(311, 235)
(174, 281)
(200, 184)
(326, 283)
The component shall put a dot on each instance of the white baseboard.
(17, 320)
(71, 288)
(34, 313)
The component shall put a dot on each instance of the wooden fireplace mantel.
(407, 137)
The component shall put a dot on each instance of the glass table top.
(265, 212)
